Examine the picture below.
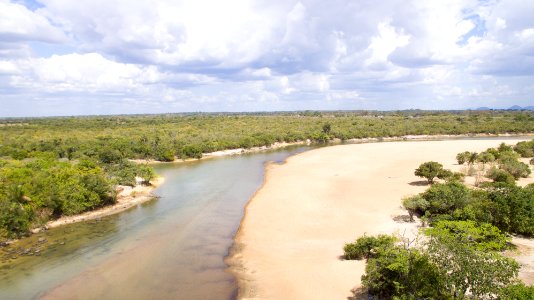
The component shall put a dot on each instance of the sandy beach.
(291, 238)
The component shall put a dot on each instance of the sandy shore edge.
(279, 145)
(247, 279)
(127, 197)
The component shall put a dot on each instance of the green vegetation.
(161, 137)
(51, 167)
(401, 272)
(457, 260)
(430, 170)
(367, 246)
(460, 258)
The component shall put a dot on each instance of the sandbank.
(290, 242)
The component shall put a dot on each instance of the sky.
(64, 57)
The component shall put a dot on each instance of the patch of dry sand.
(291, 238)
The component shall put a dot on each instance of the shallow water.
(172, 247)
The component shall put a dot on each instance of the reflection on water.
(170, 248)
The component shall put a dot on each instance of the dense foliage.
(457, 260)
(367, 246)
(162, 137)
(461, 255)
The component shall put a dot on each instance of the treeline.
(164, 137)
(460, 256)
(38, 189)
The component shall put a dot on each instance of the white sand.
(291, 238)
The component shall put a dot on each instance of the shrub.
(463, 157)
(516, 168)
(400, 273)
(367, 246)
(525, 149)
(498, 175)
(517, 291)
(415, 205)
(429, 170)
(444, 198)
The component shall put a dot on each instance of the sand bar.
(291, 238)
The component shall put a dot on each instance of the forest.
(464, 232)
(56, 166)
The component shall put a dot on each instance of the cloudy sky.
(64, 57)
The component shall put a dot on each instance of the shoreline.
(334, 142)
(256, 262)
(127, 197)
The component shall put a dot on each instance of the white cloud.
(246, 55)
(17, 23)
(385, 43)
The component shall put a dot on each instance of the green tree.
(515, 168)
(498, 175)
(473, 156)
(367, 246)
(400, 272)
(485, 157)
(517, 291)
(429, 170)
(465, 268)
(327, 128)
(414, 204)
(463, 157)
(525, 149)
(445, 198)
(146, 173)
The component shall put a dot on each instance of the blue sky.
(63, 57)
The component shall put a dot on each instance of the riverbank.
(127, 197)
(290, 240)
(279, 145)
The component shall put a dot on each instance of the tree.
(445, 174)
(445, 198)
(402, 272)
(482, 236)
(146, 173)
(429, 170)
(327, 128)
(414, 204)
(367, 246)
(516, 168)
(485, 157)
(517, 291)
(465, 268)
(498, 175)
(525, 149)
(462, 157)
(472, 158)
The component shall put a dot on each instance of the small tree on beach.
(486, 157)
(462, 157)
(472, 158)
(414, 204)
(429, 170)
(147, 173)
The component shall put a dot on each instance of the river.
(169, 248)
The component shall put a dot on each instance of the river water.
(169, 248)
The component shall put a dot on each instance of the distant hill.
(515, 107)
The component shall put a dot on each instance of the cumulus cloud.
(267, 55)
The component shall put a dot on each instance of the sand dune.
(291, 238)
